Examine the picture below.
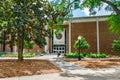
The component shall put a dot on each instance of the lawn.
(12, 68)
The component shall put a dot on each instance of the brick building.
(93, 29)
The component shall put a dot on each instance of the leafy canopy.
(26, 20)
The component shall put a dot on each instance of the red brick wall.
(106, 38)
(88, 31)
(35, 49)
(67, 37)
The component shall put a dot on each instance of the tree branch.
(115, 8)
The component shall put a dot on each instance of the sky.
(85, 12)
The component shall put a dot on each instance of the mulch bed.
(12, 68)
(97, 64)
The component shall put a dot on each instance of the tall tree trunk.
(21, 37)
(4, 38)
(20, 47)
(20, 50)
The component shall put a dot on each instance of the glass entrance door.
(59, 48)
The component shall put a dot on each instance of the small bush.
(2, 53)
(116, 45)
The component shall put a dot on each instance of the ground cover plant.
(25, 55)
(12, 68)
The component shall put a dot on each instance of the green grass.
(26, 55)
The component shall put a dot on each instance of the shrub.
(71, 55)
(88, 55)
(75, 55)
(2, 53)
(96, 55)
(116, 45)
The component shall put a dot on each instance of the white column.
(47, 40)
(46, 46)
(98, 36)
(70, 35)
(15, 49)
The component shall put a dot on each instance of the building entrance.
(59, 42)
(59, 48)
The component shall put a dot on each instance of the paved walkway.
(72, 72)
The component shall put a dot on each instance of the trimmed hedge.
(71, 55)
(88, 55)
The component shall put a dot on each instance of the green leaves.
(116, 45)
(62, 10)
(91, 5)
(114, 22)
(82, 44)
(28, 45)
(23, 18)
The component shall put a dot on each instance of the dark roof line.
(90, 17)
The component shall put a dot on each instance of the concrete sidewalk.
(72, 72)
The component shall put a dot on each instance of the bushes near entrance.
(2, 53)
(82, 44)
(87, 55)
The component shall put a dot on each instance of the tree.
(26, 20)
(82, 44)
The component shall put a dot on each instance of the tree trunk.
(115, 8)
(4, 39)
(20, 51)
(20, 47)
